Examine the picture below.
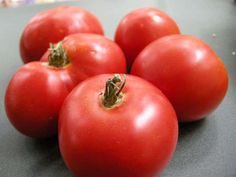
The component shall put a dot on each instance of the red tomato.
(91, 54)
(187, 71)
(53, 25)
(34, 97)
(114, 133)
(140, 27)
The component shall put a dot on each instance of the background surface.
(206, 148)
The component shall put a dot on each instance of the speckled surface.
(206, 148)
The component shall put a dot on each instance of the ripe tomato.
(140, 27)
(106, 132)
(34, 97)
(91, 54)
(187, 71)
(53, 25)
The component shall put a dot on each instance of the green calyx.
(58, 56)
(113, 95)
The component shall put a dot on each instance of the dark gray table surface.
(206, 148)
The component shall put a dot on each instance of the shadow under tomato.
(185, 129)
(46, 158)
(196, 141)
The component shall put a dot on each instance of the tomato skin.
(140, 27)
(187, 71)
(34, 97)
(137, 138)
(92, 54)
(53, 25)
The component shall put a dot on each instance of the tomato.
(105, 131)
(91, 54)
(34, 97)
(187, 71)
(36, 92)
(53, 25)
(140, 27)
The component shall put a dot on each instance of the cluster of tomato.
(112, 125)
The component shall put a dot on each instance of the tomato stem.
(113, 95)
(58, 56)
